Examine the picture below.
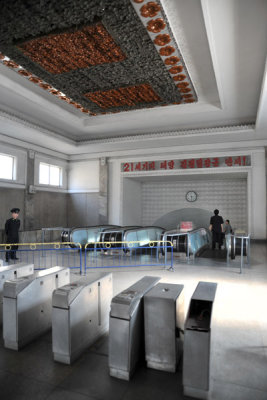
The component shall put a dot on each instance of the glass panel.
(54, 175)
(44, 174)
(6, 167)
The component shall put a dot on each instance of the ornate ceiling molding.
(4, 116)
(230, 129)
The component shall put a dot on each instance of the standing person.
(216, 227)
(12, 231)
(227, 227)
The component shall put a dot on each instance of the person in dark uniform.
(12, 233)
(216, 227)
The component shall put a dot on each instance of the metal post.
(241, 264)
(227, 249)
(166, 256)
(43, 238)
(187, 247)
(171, 267)
(81, 261)
(248, 249)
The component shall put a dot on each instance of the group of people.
(218, 229)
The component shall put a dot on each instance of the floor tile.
(61, 394)
(15, 387)
(92, 379)
(230, 391)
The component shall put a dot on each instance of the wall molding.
(176, 133)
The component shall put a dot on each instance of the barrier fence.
(128, 254)
(44, 255)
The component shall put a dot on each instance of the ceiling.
(87, 75)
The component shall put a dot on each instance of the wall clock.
(191, 196)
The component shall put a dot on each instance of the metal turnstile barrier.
(164, 322)
(126, 328)
(12, 272)
(197, 336)
(27, 305)
(80, 315)
(238, 245)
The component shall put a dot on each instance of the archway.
(199, 217)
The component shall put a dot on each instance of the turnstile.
(80, 315)
(27, 305)
(164, 322)
(12, 272)
(196, 359)
(126, 328)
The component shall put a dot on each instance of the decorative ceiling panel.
(127, 96)
(64, 52)
(98, 56)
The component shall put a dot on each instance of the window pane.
(44, 174)
(54, 175)
(6, 167)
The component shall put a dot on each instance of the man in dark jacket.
(216, 227)
(12, 233)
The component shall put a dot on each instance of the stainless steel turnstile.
(196, 358)
(126, 328)
(27, 306)
(12, 272)
(80, 315)
(164, 322)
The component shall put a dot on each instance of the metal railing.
(44, 255)
(238, 245)
(128, 254)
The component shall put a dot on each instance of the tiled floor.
(238, 345)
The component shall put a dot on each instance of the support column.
(103, 191)
(29, 198)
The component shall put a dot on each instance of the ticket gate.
(126, 328)
(80, 315)
(164, 324)
(12, 272)
(27, 305)
(197, 336)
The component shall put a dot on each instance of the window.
(50, 174)
(7, 167)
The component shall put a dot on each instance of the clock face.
(191, 196)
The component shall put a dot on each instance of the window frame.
(60, 168)
(14, 168)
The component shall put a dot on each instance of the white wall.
(229, 196)
(132, 202)
(256, 183)
(258, 195)
(83, 176)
